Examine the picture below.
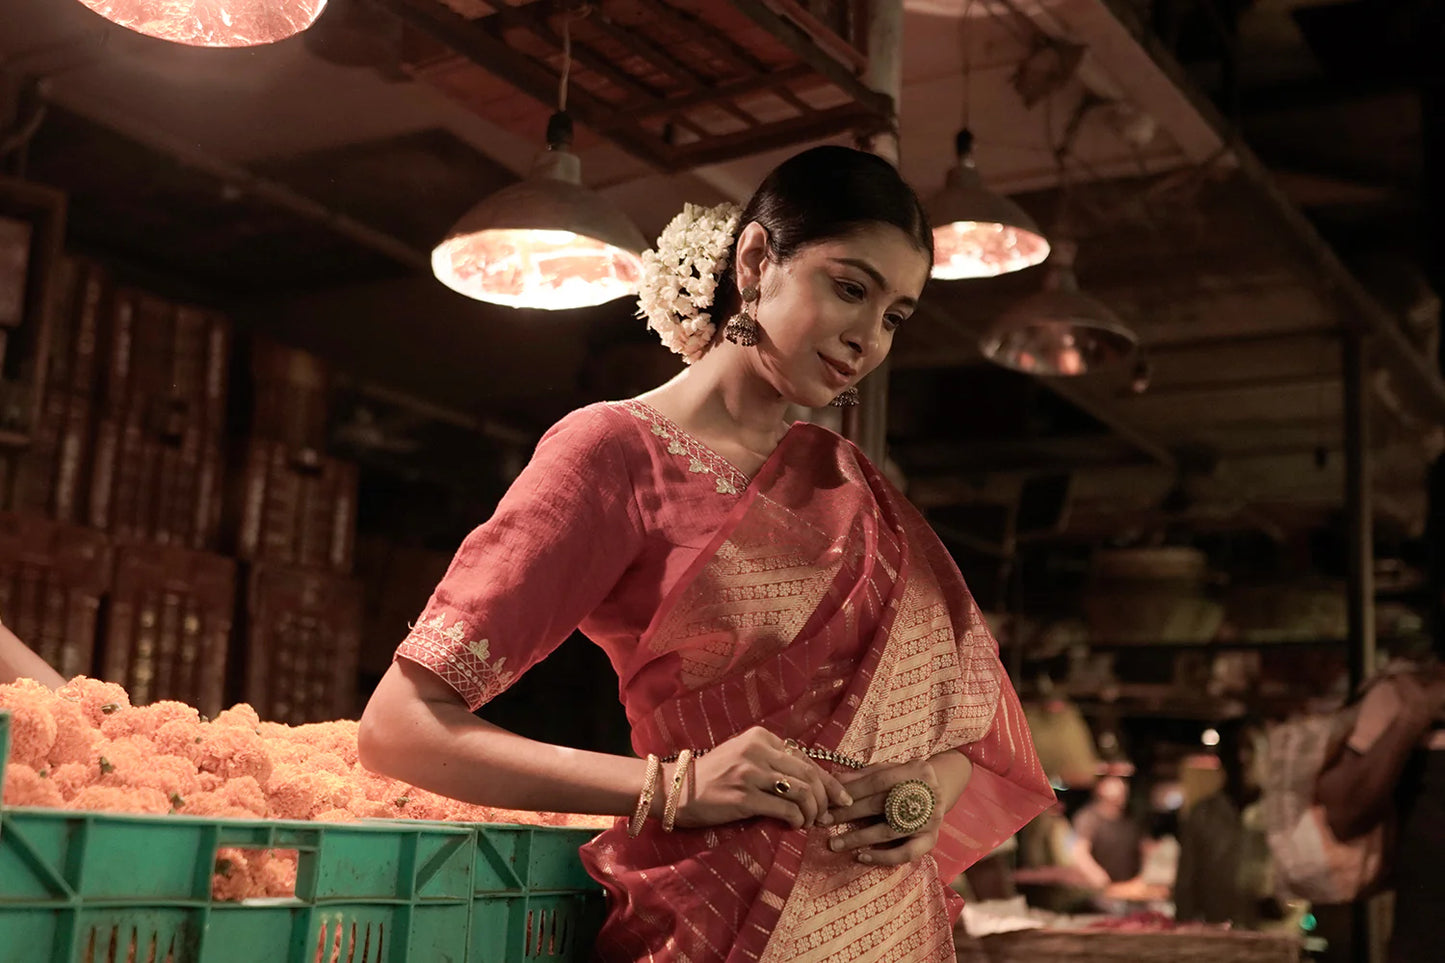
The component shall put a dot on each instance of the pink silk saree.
(825, 609)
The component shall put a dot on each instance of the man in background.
(1109, 847)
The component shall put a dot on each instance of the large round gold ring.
(909, 806)
(782, 787)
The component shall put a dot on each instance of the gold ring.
(782, 787)
(909, 806)
(791, 747)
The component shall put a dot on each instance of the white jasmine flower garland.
(679, 278)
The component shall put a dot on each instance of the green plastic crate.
(107, 888)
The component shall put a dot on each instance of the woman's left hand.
(872, 838)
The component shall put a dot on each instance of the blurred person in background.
(1224, 863)
(1393, 764)
(1108, 844)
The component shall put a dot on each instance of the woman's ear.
(752, 252)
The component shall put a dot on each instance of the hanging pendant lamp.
(547, 242)
(212, 23)
(1060, 330)
(978, 233)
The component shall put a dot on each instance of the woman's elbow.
(376, 742)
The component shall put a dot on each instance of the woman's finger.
(906, 852)
(773, 806)
(871, 835)
(864, 807)
(804, 774)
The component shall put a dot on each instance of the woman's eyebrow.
(875, 274)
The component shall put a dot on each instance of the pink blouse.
(614, 506)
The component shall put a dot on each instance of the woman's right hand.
(739, 779)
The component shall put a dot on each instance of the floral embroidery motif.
(700, 458)
(464, 664)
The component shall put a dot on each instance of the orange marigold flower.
(169, 774)
(233, 875)
(32, 725)
(273, 873)
(336, 816)
(146, 720)
(377, 788)
(25, 786)
(240, 715)
(178, 737)
(75, 739)
(114, 799)
(337, 738)
(296, 793)
(71, 777)
(230, 751)
(97, 699)
(213, 805)
(120, 761)
(244, 792)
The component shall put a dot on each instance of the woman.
(767, 600)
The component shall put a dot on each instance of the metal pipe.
(866, 425)
(1361, 598)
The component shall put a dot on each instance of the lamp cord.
(566, 62)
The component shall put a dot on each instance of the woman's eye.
(892, 321)
(851, 290)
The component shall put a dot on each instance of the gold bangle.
(674, 793)
(644, 800)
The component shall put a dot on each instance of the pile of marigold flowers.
(85, 747)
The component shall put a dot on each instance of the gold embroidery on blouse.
(476, 674)
(700, 458)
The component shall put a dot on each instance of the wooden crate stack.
(52, 579)
(304, 643)
(169, 626)
(159, 434)
(53, 475)
(298, 506)
(297, 531)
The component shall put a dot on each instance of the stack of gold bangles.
(907, 809)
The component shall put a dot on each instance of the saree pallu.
(826, 610)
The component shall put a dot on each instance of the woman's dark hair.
(821, 194)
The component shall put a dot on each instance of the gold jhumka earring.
(847, 398)
(743, 328)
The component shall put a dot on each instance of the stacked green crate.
(105, 888)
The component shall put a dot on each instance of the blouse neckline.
(730, 480)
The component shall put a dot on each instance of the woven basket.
(1072, 946)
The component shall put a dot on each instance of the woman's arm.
(1356, 788)
(19, 661)
(417, 729)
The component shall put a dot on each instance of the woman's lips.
(838, 373)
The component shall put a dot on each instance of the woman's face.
(828, 315)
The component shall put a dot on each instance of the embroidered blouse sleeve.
(520, 583)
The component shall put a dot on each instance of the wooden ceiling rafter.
(668, 87)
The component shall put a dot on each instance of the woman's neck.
(719, 395)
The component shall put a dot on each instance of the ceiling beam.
(1418, 376)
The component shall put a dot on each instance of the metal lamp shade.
(978, 233)
(1059, 331)
(212, 23)
(546, 242)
